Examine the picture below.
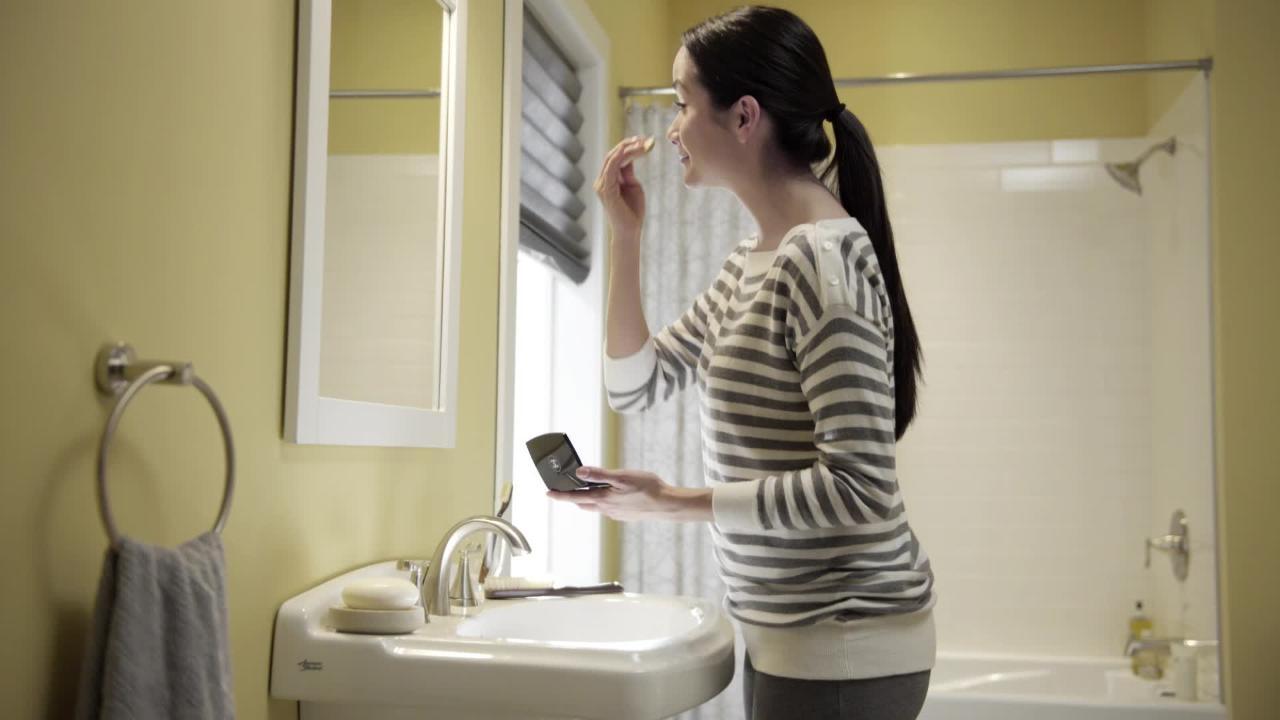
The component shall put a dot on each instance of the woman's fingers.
(629, 175)
(584, 499)
(603, 178)
(632, 150)
(618, 159)
(608, 169)
(580, 496)
(617, 479)
(629, 495)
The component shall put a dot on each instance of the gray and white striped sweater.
(792, 353)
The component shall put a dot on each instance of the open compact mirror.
(558, 463)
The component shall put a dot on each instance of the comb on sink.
(499, 588)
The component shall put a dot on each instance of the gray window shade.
(550, 211)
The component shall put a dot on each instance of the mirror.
(375, 251)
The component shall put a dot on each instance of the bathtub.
(1010, 687)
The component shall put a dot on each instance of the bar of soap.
(385, 593)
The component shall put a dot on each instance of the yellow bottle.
(1138, 621)
(1145, 662)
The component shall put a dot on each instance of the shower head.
(1127, 173)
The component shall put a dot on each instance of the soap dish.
(376, 622)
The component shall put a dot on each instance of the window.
(554, 334)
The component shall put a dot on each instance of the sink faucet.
(435, 587)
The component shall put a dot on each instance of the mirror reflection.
(380, 327)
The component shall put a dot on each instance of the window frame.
(580, 399)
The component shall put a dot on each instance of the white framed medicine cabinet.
(375, 257)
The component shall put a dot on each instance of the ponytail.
(862, 195)
(772, 55)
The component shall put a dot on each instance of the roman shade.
(550, 210)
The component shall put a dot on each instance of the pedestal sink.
(624, 656)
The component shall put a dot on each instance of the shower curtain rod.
(1204, 64)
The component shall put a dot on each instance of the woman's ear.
(746, 118)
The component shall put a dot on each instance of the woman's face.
(706, 145)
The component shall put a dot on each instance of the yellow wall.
(880, 37)
(145, 196)
(1245, 181)
(640, 39)
(1175, 30)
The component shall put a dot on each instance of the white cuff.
(629, 373)
(734, 505)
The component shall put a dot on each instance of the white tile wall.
(1061, 417)
(1182, 402)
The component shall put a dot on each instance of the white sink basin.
(622, 622)
(623, 656)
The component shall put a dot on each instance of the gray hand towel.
(158, 647)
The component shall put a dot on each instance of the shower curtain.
(687, 236)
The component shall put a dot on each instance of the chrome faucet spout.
(435, 587)
(1159, 644)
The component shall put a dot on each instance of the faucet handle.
(464, 592)
(1177, 543)
(417, 570)
(1164, 542)
(496, 552)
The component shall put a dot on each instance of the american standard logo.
(310, 665)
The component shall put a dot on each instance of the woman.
(805, 358)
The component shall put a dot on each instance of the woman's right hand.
(620, 191)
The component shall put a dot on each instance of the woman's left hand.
(637, 495)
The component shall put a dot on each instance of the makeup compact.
(558, 463)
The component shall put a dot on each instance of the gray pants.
(769, 697)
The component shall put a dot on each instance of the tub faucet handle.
(1177, 543)
(1165, 543)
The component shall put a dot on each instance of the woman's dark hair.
(774, 56)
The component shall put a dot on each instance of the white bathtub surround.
(1027, 472)
(975, 686)
(1177, 218)
(1066, 410)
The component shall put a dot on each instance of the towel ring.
(116, 367)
